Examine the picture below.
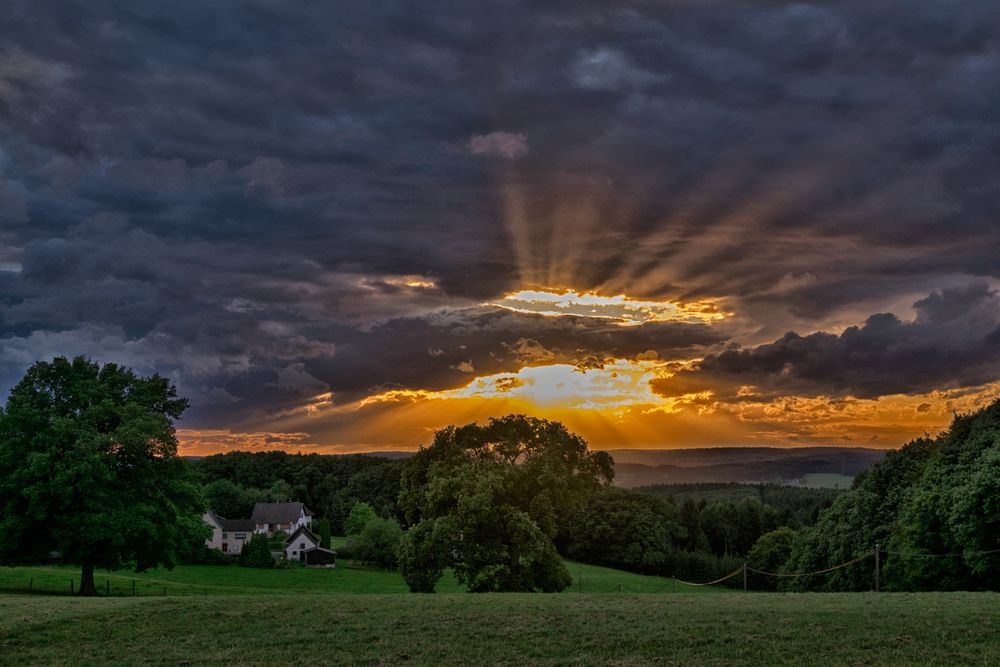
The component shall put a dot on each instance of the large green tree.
(624, 529)
(89, 469)
(488, 501)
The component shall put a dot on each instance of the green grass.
(822, 480)
(514, 629)
(346, 578)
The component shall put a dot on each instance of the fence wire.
(807, 574)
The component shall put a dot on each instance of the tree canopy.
(89, 469)
(488, 501)
(624, 529)
(934, 506)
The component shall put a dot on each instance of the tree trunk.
(87, 587)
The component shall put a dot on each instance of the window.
(240, 536)
(302, 545)
(294, 552)
(225, 536)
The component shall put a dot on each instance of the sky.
(339, 226)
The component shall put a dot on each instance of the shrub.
(256, 552)
(377, 543)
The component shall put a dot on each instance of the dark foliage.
(488, 501)
(378, 542)
(797, 505)
(328, 485)
(256, 552)
(936, 496)
(89, 468)
(623, 529)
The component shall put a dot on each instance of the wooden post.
(31, 582)
(206, 592)
(619, 588)
(581, 583)
(107, 587)
(877, 563)
(164, 590)
(673, 584)
(70, 586)
(744, 576)
(133, 588)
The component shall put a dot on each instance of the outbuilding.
(304, 547)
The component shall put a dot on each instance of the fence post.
(70, 586)
(133, 588)
(164, 590)
(744, 576)
(31, 582)
(877, 563)
(581, 583)
(673, 584)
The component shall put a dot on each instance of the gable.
(302, 536)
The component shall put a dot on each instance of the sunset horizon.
(651, 224)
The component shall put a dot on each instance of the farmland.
(731, 628)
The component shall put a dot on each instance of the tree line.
(89, 474)
(660, 530)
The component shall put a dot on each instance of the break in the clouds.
(778, 222)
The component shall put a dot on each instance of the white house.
(228, 535)
(289, 517)
(303, 546)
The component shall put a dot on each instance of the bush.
(277, 540)
(209, 556)
(256, 552)
(770, 555)
(377, 543)
(359, 517)
(323, 526)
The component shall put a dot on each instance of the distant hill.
(390, 454)
(634, 467)
(833, 466)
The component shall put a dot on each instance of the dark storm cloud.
(423, 352)
(953, 342)
(237, 192)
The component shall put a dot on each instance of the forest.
(932, 507)
(659, 530)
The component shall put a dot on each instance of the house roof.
(320, 549)
(302, 530)
(237, 524)
(232, 524)
(278, 512)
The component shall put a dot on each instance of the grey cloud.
(226, 190)
(951, 343)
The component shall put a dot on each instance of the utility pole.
(877, 563)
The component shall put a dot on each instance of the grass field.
(733, 628)
(210, 580)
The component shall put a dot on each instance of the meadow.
(732, 628)
(346, 578)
